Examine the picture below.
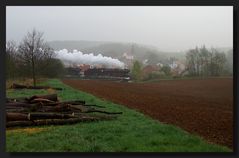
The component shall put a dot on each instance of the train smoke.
(77, 57)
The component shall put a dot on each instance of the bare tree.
(203, 62)
(191, 62)
(33, 49)
(11, 49)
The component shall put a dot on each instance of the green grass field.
(130, 132)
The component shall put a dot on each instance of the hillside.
(70, 45)
(117, 49)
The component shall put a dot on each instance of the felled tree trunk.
(98, 106)
(18, 86)
(76, 102)
(21, 110)
(38, 116)
(11, 116)
(84, 109)
(18, 104)
(49, 97)
(41, 100)
(20, 99)
(52, 97)
(57, 108)
(19, 123)
(16, 117)
(105, 112)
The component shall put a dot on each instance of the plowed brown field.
(203, 107)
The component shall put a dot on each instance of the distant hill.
(117, 49)
(70, 45)
(224, 49)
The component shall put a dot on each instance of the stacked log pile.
(48, 110)
(19, 86)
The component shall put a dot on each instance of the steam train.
(100, 73)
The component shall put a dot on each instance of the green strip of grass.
(130, 132)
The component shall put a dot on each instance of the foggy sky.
(167, 28)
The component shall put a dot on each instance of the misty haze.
(165, 28)
(145, 78)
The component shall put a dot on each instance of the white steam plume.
(77, 57)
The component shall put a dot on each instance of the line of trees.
(205, 62)
(33, 57)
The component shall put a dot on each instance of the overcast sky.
(168, 28)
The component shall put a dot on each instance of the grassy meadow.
(130, 132)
